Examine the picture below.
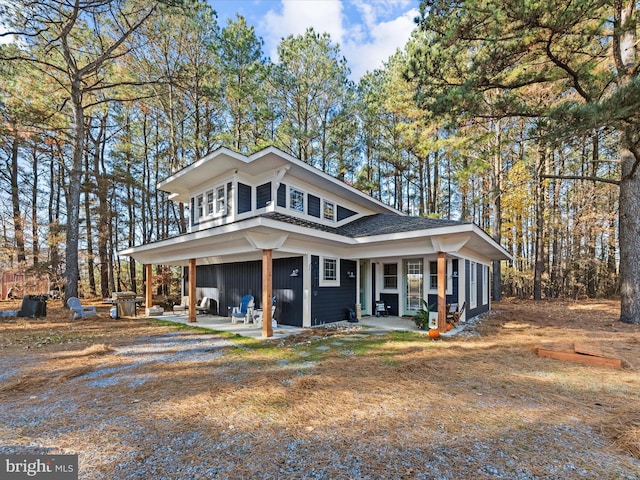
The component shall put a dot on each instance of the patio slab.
(371, 325)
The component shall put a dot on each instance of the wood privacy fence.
(18, 284)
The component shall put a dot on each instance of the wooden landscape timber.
(580, 352)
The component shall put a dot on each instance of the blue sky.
(368, 31)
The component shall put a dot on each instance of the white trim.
(473, 284)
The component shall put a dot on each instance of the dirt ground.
(141, 400)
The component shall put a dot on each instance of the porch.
(370, 325)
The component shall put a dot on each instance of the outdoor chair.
(454, 314)
(203, 307)
(182, 307)
(258, 314)
(78, 310)
(243, 310)
(381, 308)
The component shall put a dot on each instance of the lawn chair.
(381, 308)
(203, 307)
(258, 314)
(78, 310)
(454, 314)
(243, 310)
(182, 307)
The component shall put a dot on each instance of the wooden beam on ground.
(192, 290)
(442, 292)
(587, 354)
(267, 292)
(148, 287)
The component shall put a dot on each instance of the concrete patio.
(369, 324)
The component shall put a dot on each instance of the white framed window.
(433, 277)
(296, 199)
(390, 276)
(210, 204)
(221, 196)
(329, 272)
(473, 285)
(328, 210)
(199, 206)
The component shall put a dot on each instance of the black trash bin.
(33, 306)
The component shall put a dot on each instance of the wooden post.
(442, 292)
(267, 292)
(192, 290)
(148, 288)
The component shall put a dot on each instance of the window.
(220, 201)
(296, 200)
(330, 274)
(390, 275)
(330, 269)
(210, 203)
(433, 277)
(328, 210)
(473, 285)
(200, 206)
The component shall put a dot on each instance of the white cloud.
(296, 16)
(382, 40)
(368, 31)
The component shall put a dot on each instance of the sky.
(368, 31)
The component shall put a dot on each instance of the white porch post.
(267, 292)
(306, 290)
(148, 287)
(442, 292)
(192, 290)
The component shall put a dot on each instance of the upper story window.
(200, 206)
(296, 200)
(328, 210)
(212, 203)
(220, 200)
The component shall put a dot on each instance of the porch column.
(192, 290)
(267, 292)
(442, 292)
(148, 288)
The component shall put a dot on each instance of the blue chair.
(243, 310)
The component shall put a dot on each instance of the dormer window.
(296, 200)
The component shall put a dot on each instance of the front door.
(414, 286)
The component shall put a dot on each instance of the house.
(270, 225)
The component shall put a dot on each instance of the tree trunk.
(72, 274)
(629, 222)
(539, 238)
(15, 197)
